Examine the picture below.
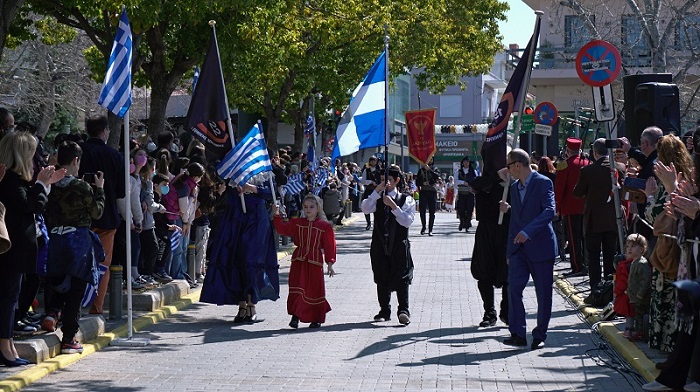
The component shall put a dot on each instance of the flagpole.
(519, 121)
(272, 173)
(524, 87)
(128, 219)
(386, 104)
(229, 124)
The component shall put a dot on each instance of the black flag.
(493, 150)
(208, 113)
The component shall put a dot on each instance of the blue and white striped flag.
(116, 91)
(195, 78)
(175, 240)
(310, 128)
(320, 179)
(363, 124)
(294, 187)
(248, 158)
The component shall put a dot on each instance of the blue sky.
(517, 29)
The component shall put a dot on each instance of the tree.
(275, 56)
(169, 39)
(9, 9)
(653, 35)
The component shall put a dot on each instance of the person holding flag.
(243, 266)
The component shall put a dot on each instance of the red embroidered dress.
(307, 289)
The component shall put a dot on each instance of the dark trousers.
(594, 242)
(68, 304)
(119, 253)
(465, 209)
(488, 296)
(30, 287)
(427, 200)
(164, 250)
(675, 374)
(149, 251)
(574, 233)
(10, 286)
(384, 298)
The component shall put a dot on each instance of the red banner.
(420, 129)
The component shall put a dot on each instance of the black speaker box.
(657, 104)
(629, 84)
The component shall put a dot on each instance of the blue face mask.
(164, 189)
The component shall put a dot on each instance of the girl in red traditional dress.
(315, 241)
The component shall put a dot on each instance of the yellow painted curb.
(34, 373)
(627, 349)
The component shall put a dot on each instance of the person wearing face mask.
(180, 202)
(133, 228)
(147, 236)
(162, 229)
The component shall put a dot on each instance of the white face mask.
(150, 147)
(175, 148)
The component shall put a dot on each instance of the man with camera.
(570, 208)
(599, 216)
(645, 154)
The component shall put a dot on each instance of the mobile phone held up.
(613, 143)
(635, 183)
(89, 178)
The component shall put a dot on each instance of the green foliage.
(53, 33)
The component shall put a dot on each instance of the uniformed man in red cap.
(570, 208)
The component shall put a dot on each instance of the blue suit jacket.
(533, 216)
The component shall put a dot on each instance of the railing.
(551, 57)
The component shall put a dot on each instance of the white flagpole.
(387, 126)
(127, 229)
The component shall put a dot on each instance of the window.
(450, 106)
(688, 32)
(636, 50)
(576, 32)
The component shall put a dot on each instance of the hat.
(573, 143)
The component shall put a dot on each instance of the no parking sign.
(598, 63)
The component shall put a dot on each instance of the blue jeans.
(178, 264)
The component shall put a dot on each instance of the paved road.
(201, 349)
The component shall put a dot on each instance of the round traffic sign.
(598, 63)
(546, 113)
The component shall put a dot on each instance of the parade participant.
(74, 250)
(371, 176)
(427, 194)
(315, 242)
(531, 246)
(465, 196)
(570, 208)
(489, 265)
(390, 250)
(242, 255)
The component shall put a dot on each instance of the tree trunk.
(156, 116)
(114, 124)
(47, 106)
(9, 9)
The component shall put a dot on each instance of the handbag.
(666, 254)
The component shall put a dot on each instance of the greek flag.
(294, 186)
(90, 290)
(310, 128)
(363, 124)
(320, 179)
(248, 158)
(116, 89)
(175, 240)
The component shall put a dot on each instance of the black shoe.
(575, 273)
(240, 317)
(489, 320)
(504, 319)
(250, 315)
(382, 316)
(460, 227)
(430, 234)
(589, 300)
(369, 226)
(315, 325)
(295, 322)
(537, 344)
(404, 318)
(422, 231)
(515, 340)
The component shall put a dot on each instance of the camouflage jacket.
(74, 202)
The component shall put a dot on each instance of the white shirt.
(404, 214)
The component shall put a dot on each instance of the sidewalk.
(442, 349)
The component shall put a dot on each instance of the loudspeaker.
(657, 104)
(630, 83)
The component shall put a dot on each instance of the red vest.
(564, 183)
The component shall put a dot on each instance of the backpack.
(602, 294)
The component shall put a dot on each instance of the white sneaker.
(692, 387)
(656, 386)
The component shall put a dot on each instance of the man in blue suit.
(532, 246)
